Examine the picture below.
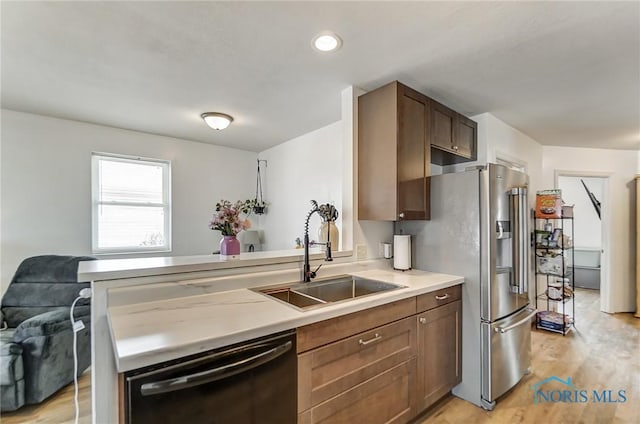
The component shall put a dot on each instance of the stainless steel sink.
(293, 298)
(323, 292)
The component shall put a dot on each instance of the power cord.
(77, 326)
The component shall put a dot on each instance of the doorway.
(589, 195)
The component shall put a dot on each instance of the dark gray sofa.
(36, 347)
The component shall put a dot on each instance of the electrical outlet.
(361, 252)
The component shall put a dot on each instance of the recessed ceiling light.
(216, 120)
(326, 41)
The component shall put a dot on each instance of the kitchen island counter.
(147, 333)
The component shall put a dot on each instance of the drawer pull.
(423, 320)
(443, 297)
(372, 340)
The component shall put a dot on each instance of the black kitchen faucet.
(327, 212)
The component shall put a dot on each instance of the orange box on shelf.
(549, 204)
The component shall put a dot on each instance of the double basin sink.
(325, 292)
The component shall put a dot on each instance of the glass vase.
(229, 247)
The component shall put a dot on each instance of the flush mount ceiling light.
(326, 41)
(216, 120)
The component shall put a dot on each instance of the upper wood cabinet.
(466, 138)
(443, 126)
(453, 136)
(401, 132)
(394, 155)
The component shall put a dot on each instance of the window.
(131, 204)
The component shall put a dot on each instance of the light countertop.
(147, 333)
(111, 269)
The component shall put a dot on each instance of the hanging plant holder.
(259, 205)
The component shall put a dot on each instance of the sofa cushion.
(11, 366)
(7, 346)
(41, 283)
(49, 269)
(49, 323)
(12, 396)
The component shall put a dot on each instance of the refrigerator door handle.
(503, 330)
(520, 231)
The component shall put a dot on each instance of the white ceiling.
(565, 73)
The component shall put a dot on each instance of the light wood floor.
(58, 409)
(604, 353)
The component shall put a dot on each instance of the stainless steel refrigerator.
(479, 229)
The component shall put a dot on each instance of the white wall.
(299, 170)
(621, 167)
(320, 165)
(587, 224)
(46, 185)
(1, 267)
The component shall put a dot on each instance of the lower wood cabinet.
(385, 398)
(332, 369)
(386, 374)
(439, 352)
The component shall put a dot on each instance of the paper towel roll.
(402, 252)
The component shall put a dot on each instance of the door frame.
(605, 261)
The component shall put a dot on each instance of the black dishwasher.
(250, 382)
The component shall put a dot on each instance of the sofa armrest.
(50, 323)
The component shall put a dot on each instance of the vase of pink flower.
(229, 222)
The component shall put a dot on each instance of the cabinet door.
(384, 399)
(377, 161)
(439, 352)
(466, 137)
(414, 155)
(443, 126)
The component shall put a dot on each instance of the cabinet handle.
(374, 339)
(443, 297)
(401, 214)
(455, 147)
(422, 320)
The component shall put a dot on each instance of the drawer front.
(329, 370)
(438, 298)
(386, 398)
(331, 330)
